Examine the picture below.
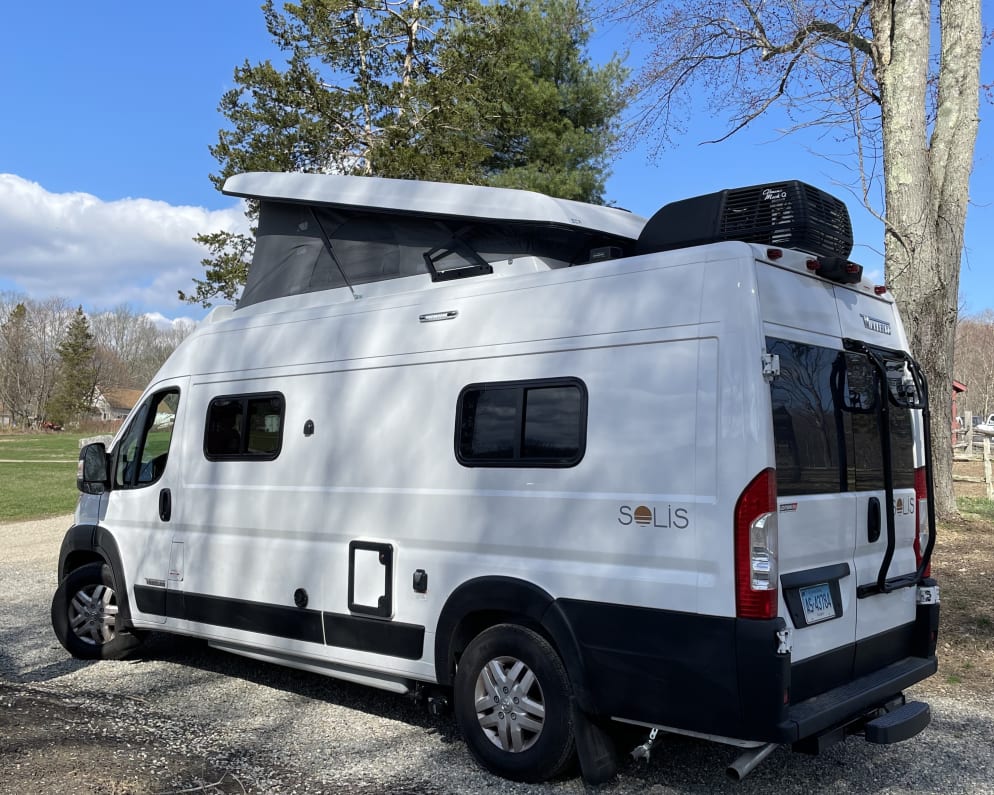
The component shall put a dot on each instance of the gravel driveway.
(179, 717)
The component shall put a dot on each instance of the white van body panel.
(689, 367)
(673, 360)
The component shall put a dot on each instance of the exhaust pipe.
(747, 762)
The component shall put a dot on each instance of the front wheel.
(85, 617)
(512, 704)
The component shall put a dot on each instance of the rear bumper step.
(854, 699)
(899, 724)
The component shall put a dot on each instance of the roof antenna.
(331, 253)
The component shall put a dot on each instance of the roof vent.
(784, 214)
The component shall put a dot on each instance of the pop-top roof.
(433, 198)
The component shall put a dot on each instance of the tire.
(84, 615)
(513, 704)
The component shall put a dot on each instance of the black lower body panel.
(313, 626)
(724, 676)
(706, 674)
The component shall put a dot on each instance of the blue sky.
(108, 109)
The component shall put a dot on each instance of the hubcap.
(509, 704)
(93, 614)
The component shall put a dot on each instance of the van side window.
(540, 423)
(244, 427)
(142, 454)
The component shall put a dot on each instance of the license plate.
(816, 602)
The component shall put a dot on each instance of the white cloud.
(160, 321)
(102, 254)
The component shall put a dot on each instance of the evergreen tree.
(78, 372)
(470, 92)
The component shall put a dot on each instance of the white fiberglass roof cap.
(433, 198)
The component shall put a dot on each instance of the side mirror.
(93, 469)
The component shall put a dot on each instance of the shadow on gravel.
(194, 653)
(19, 647)
(54, 744)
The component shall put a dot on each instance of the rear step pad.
(841, 704)
(899, 724)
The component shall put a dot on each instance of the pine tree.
(469, 92)
(77, 378)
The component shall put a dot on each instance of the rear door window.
(827, 424)
(867, 448)
(808, 424)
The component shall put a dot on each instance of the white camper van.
(550, 463)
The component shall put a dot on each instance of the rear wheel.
(85, 615)
(512, 703)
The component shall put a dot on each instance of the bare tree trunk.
(407, 75)
(362, 80)
(927, 188)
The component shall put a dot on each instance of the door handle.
(165, 505)
(873, 520)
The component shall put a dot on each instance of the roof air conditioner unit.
(785, 214)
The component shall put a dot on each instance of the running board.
(381, 681)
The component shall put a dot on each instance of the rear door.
(881, 428)
(816, 506)
(833, 434)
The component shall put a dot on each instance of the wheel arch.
(484, 602)
(94, 544)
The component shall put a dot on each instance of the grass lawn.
(40, 446)
(979, 507)
(36, 490)
(43, 481)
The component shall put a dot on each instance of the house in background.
(114, 404)
(6, 417)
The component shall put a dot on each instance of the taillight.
(756, 548)
(921, 509)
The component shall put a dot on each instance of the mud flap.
(594, 748)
